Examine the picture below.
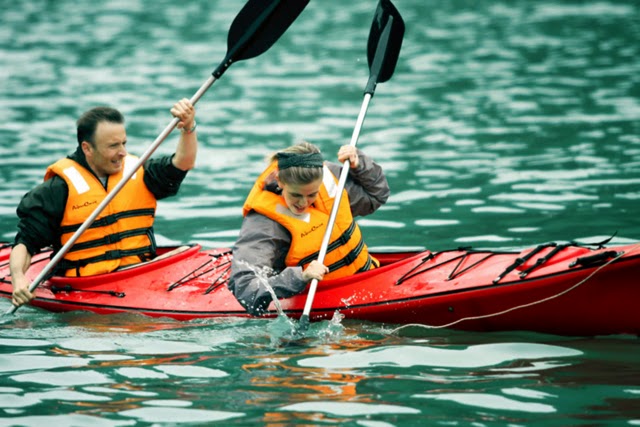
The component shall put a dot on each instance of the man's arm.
(163, 176)
(185, 157)
(19, 263)
(40, 213)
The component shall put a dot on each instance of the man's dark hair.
(88, 122)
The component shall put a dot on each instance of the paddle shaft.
(375, 68)
(336, 204)
(125, 178)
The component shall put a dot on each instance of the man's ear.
(86, 147)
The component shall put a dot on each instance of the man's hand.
(186, 113)
(21, 294)
(19, 262)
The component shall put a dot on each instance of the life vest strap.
(349, 258)
(110, 239)
(340, 241)
(370, 264)
(144, 253)
(110, 219)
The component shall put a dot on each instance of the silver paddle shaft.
(336, 203)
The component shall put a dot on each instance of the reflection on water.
(407, 356)
(348, 409)
(489, 401)
(121, 368)
(506, 124)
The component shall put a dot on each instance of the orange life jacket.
(122, 233)
(346, 254)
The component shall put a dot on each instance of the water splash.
(263, 274)
(324, 331)
(282, 327)
(333, 329)
(285, 330)
(282, 330)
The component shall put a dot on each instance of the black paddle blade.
(257, 27)
(385, 41)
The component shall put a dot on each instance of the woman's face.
(299, 197)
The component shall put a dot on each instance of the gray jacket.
(263, 243)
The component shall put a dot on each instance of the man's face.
(106, 157)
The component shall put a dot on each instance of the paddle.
(255, 29)
(383, 49)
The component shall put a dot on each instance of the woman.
(285, 217)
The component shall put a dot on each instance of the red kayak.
(566, 289)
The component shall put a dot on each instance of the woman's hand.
(315, 270)
(349, 152)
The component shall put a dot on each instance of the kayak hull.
(575, 291)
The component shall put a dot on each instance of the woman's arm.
(366, 185)
(258, 260)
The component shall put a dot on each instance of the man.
(74, 186)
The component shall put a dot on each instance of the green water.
(506, 124)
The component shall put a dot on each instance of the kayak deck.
(554, 288)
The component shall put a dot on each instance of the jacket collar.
(79, 157)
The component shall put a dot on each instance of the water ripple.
(471, 357)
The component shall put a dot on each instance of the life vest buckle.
(109, 220)
(350, 257)
(112, 238)
(344, 238)
(114, 254)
